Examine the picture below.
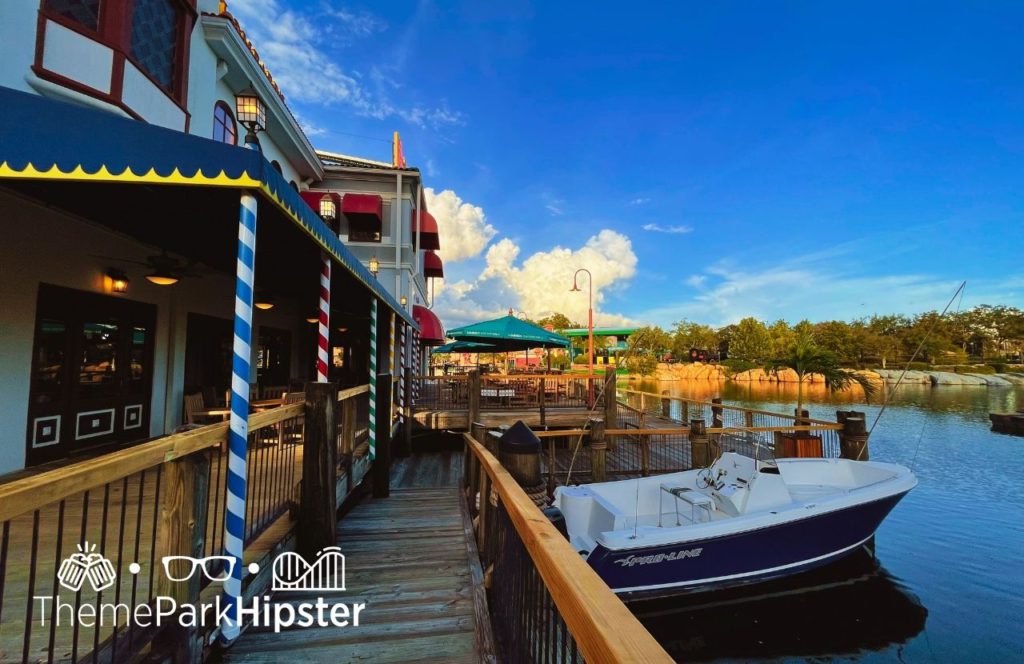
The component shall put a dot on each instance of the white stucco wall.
(41, 245)
(18, 42)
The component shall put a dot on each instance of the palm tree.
(806, 357)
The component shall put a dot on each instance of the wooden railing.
(547, 604)
(505, 392)
(137, 505)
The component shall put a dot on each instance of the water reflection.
(848, 608)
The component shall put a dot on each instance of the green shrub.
(975, 369)
(998, 367)
(580, 359)
(919, 366)
(739, 365)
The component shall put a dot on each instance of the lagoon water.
(947, 581)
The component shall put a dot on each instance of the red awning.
(313, 199)
(432, 265)
(429, 238)
(431, 330)
(363, 204)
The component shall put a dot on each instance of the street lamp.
(590, 328)
(374, 266)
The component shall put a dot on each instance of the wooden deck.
(412, 560)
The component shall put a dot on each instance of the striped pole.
(234, 521)
(417, 369)
(401, 376)
(325, 319)
(391, 363)
(373, 379)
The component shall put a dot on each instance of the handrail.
(675, 431)
(722, 405)
(350, 392)
(460, 377)
(35, 491)
(602, 626)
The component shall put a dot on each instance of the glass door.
(91, 372)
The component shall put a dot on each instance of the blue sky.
(703, 160)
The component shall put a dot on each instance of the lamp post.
(590, 328)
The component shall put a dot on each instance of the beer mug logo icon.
(86, 564)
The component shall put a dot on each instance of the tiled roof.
(338, 159)
(222, 12)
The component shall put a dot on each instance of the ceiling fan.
(166, 269)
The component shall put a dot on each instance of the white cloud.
(640, 201)
(655, 228)
(295, 46)
(696, 280)
(463, 226)
(541, 283)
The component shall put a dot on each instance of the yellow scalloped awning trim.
(128, 175)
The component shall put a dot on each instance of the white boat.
(739, 521)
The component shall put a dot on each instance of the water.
(947, 583)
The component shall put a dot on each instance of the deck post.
(853, 439)
(406, 412)
(686, 411)
(317, 496)
(348, 438)
(598, 451)
(610, 403)
(181, 531)
(540, 402)
(716, 413)
(473, 400)
(666, 405)
(382, 463)
(699, 448)
(748, 418)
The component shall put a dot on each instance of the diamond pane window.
(83, 12)
(155, 38)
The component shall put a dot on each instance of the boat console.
(738, 485)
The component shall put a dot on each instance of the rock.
(991, 380)
(949, 378)
(690, 371)
(1013, 378)
(912, 377)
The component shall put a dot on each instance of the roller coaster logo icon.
(325, 574)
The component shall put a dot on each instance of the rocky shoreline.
(717, 372)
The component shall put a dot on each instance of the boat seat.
(695, 499)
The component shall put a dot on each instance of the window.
(224, 128)
(83, 12)
(155, 38)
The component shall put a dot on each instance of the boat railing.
(546, 603)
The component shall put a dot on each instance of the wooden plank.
(350, 392)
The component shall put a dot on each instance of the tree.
(805, 357)
(750, 341)
(782, 336)
(558, 322)
(689, 335)
(644, 348)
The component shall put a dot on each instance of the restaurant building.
(145, 244)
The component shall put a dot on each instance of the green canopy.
(465, 347)
(509, 333)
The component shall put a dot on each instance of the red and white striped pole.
(325, 319)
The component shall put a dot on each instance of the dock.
(410, 560)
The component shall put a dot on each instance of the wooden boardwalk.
(409, 559)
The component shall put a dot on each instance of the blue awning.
(42, 139)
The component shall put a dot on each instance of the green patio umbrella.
(465, 347)
(509, 333)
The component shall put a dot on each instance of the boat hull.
(742, 557)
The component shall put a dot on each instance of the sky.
(705, 161)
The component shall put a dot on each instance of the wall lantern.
(251, 111)
(162, 278)
(374, 266)
(404, 300)
(328, 210)
(118, 281)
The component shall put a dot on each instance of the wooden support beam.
(598, 451)
(406, 448)
(317, 497)
(610, 403)
(473, 397)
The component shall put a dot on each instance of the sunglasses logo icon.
(183, 568)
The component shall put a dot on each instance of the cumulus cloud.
(656, 228)
(463, 226)
(541, 282)
(297, 46)
(640, 200)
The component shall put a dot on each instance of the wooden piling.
(540, 403)
(853, 438)
(598, 450)
(700, 456)
(716, 413)
(406, 447)
(382, 464)
(348, 436)
(473, 398)
(610, 401)
(318, 503)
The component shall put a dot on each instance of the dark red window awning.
(364, 213)
(431, 330)
(429, 239)
(432, 265)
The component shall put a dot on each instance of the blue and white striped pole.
(402, 361)
(234, 521)
(373, 379)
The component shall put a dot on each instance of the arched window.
(224, 128)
